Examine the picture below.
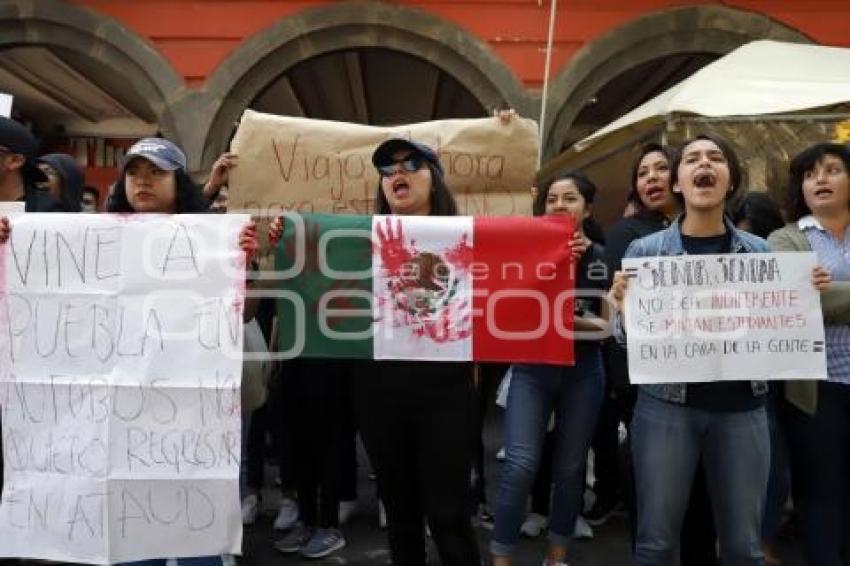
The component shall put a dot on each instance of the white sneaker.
(287, 516)
(534, 525)
(582, 530)
(382, 515)
(500, 455)
(346, 510)
(250, 509)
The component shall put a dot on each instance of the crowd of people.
(710, 467)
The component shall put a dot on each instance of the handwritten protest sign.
(723, 317)
(12, 207)
(120, 348)
(307, 165)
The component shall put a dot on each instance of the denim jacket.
(669, 242)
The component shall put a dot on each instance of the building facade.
(107, 70)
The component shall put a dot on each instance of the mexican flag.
(458, 288)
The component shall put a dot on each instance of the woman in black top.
(418, 419)
(651, 197)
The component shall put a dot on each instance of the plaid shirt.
(834, 255)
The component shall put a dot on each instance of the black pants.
(819, 454)
(321, 389)
(418, 424)
(281, 408)
(348, 485)
(256, 448)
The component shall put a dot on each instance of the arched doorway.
(79, 76)
(634, 62)
(356, 55)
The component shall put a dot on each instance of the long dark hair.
(804, 162)
(735, 174)
(442, 201)
(761, 213)
(670, 154)
(588, 192)
(188, 197)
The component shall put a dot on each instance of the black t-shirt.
(626, 231)
(590, 276)
(726, 396)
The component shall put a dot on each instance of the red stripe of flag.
(516, 259)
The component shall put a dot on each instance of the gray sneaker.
(287, 516)
(294, 539)
(323, 542)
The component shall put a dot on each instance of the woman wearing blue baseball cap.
(154, 179)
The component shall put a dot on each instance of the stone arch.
(706, 29)
(264, 57)
(61, 25)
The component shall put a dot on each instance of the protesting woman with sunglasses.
(417, 419)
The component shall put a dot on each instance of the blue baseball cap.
(383, 154)
(161, 152)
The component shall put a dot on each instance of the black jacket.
(625, 232)
(37, 200)
(72, 177)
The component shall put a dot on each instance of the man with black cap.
(18, 176)
(19, 173)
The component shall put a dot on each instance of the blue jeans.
(575, 394)
(667, 442)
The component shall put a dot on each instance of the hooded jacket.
(72, 180)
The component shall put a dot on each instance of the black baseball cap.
(17, 138)
(384, 153)
(159, 151)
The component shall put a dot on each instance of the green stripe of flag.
(342, 253)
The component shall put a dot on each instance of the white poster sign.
(6, 104)
(10, 207)
(699, 318)
(121, 348)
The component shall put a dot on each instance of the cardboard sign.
(307, 165)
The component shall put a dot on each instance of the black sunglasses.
(409, 165)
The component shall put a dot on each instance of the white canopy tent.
(762, 81)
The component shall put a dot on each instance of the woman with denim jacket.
(724, 423)
(816, 417)
(655, 207)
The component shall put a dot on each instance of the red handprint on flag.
(422, 287)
